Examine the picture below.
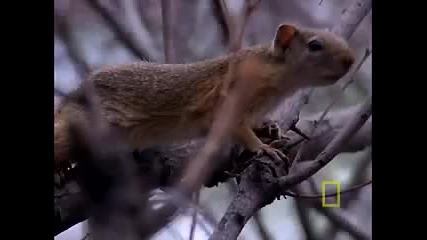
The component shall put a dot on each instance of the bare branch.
(326, 195)
(252, 194)
(313, 129)
(345, 27)
(123, 33)
(63, 31)
(262, 229)
(333, 147)
(221, 14)
(172, 161)
(236, 31)
(328, 129)
(237, 39)
(359, 175)
(168, 25)
(341, 219)
(194, 217)
(351, 17)
(304, 218)
(345, 86)
(200, 167)
(229, 21)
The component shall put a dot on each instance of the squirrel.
(153, 104)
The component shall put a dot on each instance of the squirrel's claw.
(277, 156)
(280, 143)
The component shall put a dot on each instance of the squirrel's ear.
(284, 35)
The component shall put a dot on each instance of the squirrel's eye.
(315, 45)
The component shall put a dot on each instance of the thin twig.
(350, 20)
(262, 229)
(313, 129)
(168, 25)
(342, 219)
(229, 110)
(63, 31)
(304, 218)
(351, 17)
(200, 167)
(326, 195)
(359, 175)
(219, 9)
(194, 217)
(345, 86)
(228, 20)
(339, 218)
(237, 40)
(121, 31)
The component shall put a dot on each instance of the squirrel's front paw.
(277, 156)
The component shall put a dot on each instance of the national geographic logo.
(337, 185)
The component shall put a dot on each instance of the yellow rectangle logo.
(338, 196)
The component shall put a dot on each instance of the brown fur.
(154, 103)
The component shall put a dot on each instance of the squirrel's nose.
(347, 61)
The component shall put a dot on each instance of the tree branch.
(123, 32)
(262, 229)
(168, 20)
(359, 175)
(253, 193)
(166, 163)
(304, 218)
(333, 148)
(339, 218)
(64, 33)
(342, 219)
(327, 195)
(351, 17)
(328, 128)
(237, 37)
(257, 186)
(194, 216)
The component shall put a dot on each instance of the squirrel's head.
(317, 57)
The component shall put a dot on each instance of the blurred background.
(85, 41)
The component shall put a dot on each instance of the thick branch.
(262, 229)
(253, 193)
